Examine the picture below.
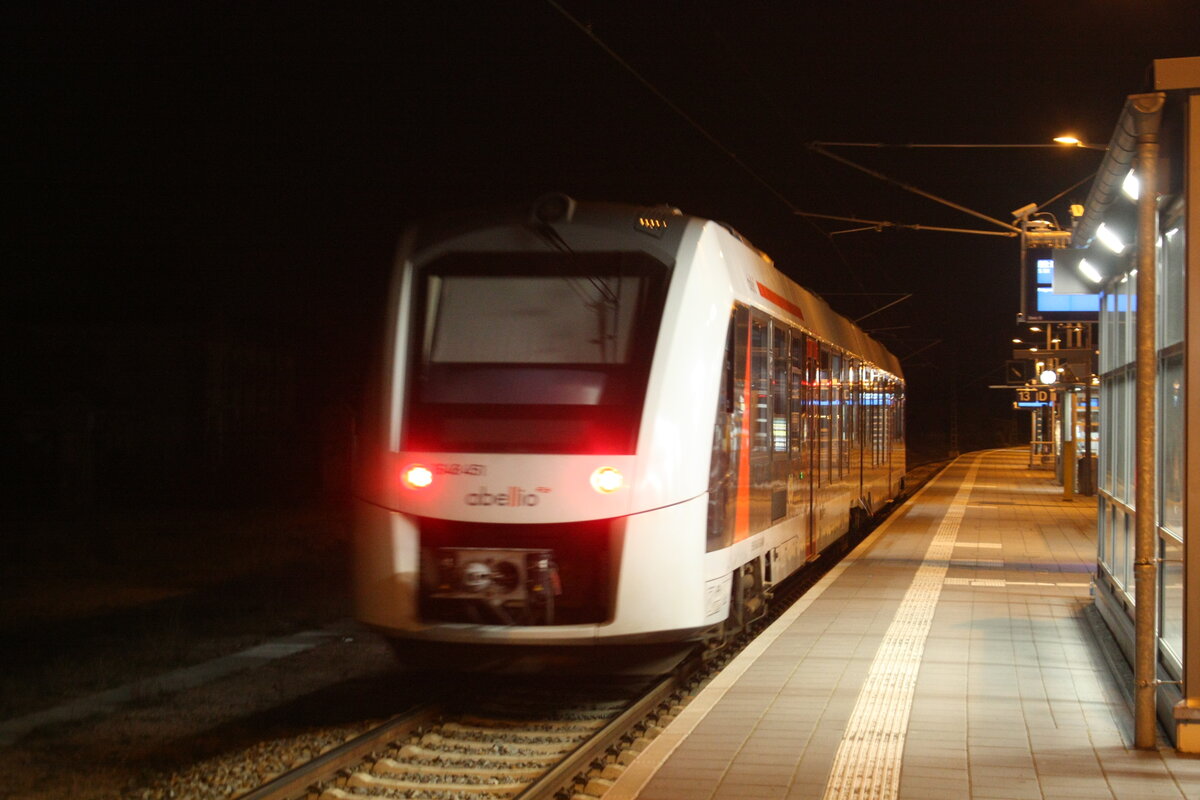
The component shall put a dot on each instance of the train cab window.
(532, 352)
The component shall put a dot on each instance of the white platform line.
(867, 764)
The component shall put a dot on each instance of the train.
(597, 424)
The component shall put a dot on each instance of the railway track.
(524, 741)
(519, 741)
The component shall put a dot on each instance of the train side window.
(796, 428)
(885, 414)
(760, 378)
(824, 417)
(849, 400)
(779, 391)
(835, 415)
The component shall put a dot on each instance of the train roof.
(658, 230)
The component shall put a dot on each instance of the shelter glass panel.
(1171, 447)
(1171, 615)
(1120, 546)
(1103, 529)
(1171, 282)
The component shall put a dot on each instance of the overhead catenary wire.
(709, 136)
(688, 118)
(901, 146)
(879, 225)
(817, 147)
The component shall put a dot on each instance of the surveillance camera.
(1025, 211)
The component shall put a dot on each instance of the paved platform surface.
(951, 655)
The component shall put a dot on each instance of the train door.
(800, 478)
(855, 423)
(760, 424)
(819, 435)
(813, 438)
(780, 448)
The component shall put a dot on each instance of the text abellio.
(515, 496)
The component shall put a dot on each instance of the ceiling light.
(1110, 239)
(1131, 185)
(1089, 271)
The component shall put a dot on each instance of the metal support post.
(1087, 478)
(1033, 435)
(1148, 109)
(1068, 447)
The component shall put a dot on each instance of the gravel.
(69, 630)
(216, 740)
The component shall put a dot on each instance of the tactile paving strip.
(867, 764)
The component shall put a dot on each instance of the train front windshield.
(533, 353)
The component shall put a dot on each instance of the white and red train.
(607, 424)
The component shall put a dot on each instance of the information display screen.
(1039, 299)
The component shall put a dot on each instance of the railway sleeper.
(582, 705)
(484, 732)
(390, 766)
(576, 715)
(486, 747)
(582, 725)
(425, 754)
(363, 780)
(597, 787)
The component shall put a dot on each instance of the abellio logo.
(513, 497)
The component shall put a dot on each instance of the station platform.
(953, 654)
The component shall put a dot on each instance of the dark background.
(205, 197)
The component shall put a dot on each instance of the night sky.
(231, 178)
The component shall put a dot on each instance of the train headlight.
(417, 476)
(607, 480)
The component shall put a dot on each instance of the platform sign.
(1033, 397)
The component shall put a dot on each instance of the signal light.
(417, 476)
(607, 480)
